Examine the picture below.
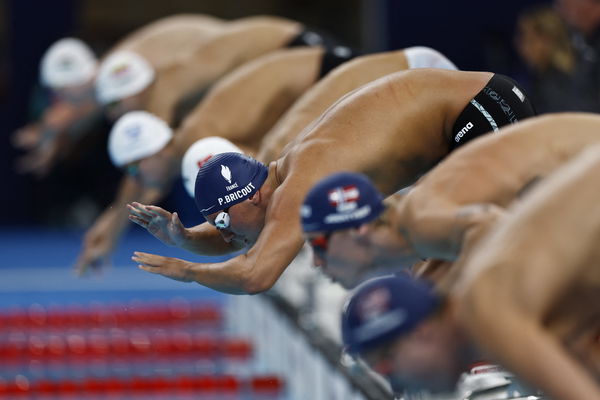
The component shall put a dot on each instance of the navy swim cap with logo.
(384, 308)
(227, 179)
(340, 201)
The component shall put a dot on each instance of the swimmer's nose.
(318, 261)
(227, 235)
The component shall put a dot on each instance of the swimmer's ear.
(255, 198)
(364, 229)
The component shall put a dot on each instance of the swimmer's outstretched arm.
(257, 270)
(440, 229)
(202, 239)
(47, 140)
(101, 238)
(537, 255)
(244, 274)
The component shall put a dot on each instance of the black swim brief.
(501, 102)
(336, 52)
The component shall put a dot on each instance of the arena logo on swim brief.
(463, 132)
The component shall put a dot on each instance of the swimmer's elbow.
(254, 281)
(256, 286)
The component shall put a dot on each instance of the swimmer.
(407, 332)
(256, 94)
(393, 129)
(240, 108)
(525, 299)
(530, 292)
(448, 210)
(346, 222)
(68, 69)
(126, 82)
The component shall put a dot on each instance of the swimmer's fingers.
(137, 210)
(27, 137)
(176, 225)
(173, 268)
(158, 212)
(90, 261)
(137, 220)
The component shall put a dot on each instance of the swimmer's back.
(495, 168)
(393, 129)
(164, 40)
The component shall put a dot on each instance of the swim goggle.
(320, 243)
(223, 221)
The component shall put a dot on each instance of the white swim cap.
(200, 152)
(121, 75)
(68, 62)
(137, 135)
(426, 57)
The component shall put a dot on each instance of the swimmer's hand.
(39, 161)
(97, 247)
(99, 242)
(165, 226)
(173, 268)
(28, 137)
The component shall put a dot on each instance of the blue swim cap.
(384, 308)
(227, 179)
(340, 201)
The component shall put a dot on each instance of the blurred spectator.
(583, 17)
(543, 42)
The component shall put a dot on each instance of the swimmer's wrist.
(186, 240)
(189, 275)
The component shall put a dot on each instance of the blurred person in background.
(543, 42)
(126, 82)
(68, 70)
(408, 331)
(583, 17)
